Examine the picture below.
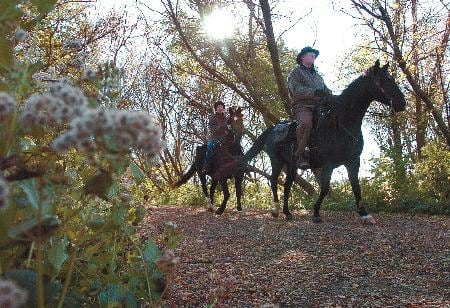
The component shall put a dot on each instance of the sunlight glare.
(219, 24)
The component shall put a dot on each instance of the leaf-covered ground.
(237, 260)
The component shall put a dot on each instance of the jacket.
(217, 125)
(302, 82)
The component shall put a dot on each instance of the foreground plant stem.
(69, 277)
(40, 275)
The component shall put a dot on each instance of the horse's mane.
(354, 89)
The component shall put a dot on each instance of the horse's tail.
(239, 164)
(185, 177)
(257, 146)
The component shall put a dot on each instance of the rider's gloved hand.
(320, 93)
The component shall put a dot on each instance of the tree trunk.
(273, 50)
(419, 117)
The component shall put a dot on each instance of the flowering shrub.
(11, 296)
(67, 221)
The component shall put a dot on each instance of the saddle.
(284, 131)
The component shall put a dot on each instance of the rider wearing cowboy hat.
(306, 87)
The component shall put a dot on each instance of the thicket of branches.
(250, 69)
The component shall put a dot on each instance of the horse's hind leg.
(226, 196)
(202, 178)
(276, 170)
(212, 191)
(290, 177)
(352, 171)
(238, 186)
(325, 177)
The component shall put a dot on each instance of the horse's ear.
(376, 68)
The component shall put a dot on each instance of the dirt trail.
(253, 260)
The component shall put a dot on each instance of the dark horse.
(224, 153)
(336, 138)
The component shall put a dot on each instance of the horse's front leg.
(290, 178)
(238, 186)
(276, 170)
(226, 196)
(353, 171)
(325, 178)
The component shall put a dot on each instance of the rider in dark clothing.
(217, 124)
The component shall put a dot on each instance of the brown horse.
(223, 153)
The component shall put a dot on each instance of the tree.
(418, 46)
(248, 68)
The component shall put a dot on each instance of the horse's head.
(385, 89)
(236, 119)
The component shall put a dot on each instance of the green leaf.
(151, 253)
(119, 215)
(96, 223)
(99, 183)
(113, 190)
(111, 295)
(26, 144)
(119, 166)
(49, 196)
(28, 226)
(131, 301)
(6, 55)
(137, 173)
(57, 254)
(4, 87)
(134, 283)
(44, 6)
(72, 174)
(30, 188)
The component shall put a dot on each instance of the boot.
(206, 168)
(302, 162)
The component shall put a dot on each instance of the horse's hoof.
(219, 211)
(368, 219)
(289, 216)
(316, 219)
(239, 209)
(274, 214)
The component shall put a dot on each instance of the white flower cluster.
(171, 225)
(114, 130)
(11, 295)
(89, 74)
(60, 106)
(7, 105)
(21, 35)
(4, 194)
(168, 261)
(42, 76)
(90, 129)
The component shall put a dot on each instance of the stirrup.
(302, 163)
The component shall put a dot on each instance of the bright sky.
(325, 28)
